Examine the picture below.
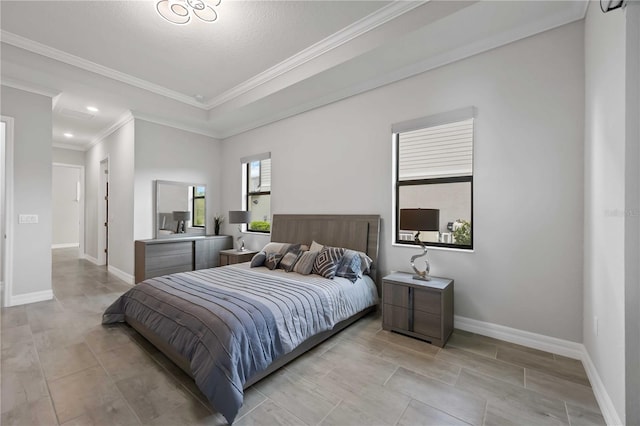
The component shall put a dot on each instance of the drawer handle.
(410, 308)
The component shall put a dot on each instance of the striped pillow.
(327, 261)
(304, 265)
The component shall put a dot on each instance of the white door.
(66, 206)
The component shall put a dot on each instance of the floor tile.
(407, 342)
(104, 338)
(418, 413)
(581, 417)
(306, 400)
(501, 370)
(21, 387)
(423, 364)
(84, 392)
(565, 370)
(152, 394)
(34, 413)
(458, 403)
(347, 413)
(472, 344)
(114, 413)
(13, 336)
(63, 361)
(269, 414)
(507, 402)
(14, 317)
(190, 413)
(573, 393)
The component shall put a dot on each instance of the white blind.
(265, 178)
(437, 151)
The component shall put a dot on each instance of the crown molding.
(30, 87)
(358, 28)
(76, 61)
(174, 124)
(124, 119)
(68, 146)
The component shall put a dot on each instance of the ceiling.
(261, 61)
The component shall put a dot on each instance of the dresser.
(163, 256)
(421, 309)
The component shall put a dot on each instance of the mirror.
(180, 209)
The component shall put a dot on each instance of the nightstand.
(420, 309)
(231, 257)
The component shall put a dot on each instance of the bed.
(230, 327)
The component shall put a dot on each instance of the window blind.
(265, 175)
(438, 151)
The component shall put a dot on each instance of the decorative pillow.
(350, 266)
(276, 248)
(327, 261)
(304, 265)
(316, 247)
(258, 259)
(365, 263)
(289, 260)
(272, 261)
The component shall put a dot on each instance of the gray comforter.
(233, 322)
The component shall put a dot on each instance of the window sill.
(257, 233)
(430, 248)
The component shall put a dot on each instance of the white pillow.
(315, 247)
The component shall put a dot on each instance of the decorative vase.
(216, 228)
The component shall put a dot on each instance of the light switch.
(28, 218)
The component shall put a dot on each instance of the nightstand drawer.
(426, 324)
(396, 295)
(427, 300)
(395, 317)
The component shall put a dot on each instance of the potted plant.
(217, 221)
(462, 232)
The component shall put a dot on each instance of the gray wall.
(526, 270)
(118, 147)
(165, 153)
(31, 189)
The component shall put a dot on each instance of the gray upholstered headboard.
(356, 232)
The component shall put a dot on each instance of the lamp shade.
(239, 216)
(420, 219)
(179, 215)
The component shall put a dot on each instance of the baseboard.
(609, 412)
(525, 338)
(66, 245)
(121, 274)
(549, 344)
(36, 296)
(91, 259)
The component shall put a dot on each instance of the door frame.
(8, 222)
(81, 210)
(103, 179)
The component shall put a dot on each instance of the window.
(258, 191)
(198, 206)
(434, 180)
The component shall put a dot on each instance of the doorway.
(68, 206)
(6, 208)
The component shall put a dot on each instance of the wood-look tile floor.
(59, 365)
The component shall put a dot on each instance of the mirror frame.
(156, 209)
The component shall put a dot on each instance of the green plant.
(462, 232)
(259, 225)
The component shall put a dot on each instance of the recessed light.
(68, 135)
(92, 109)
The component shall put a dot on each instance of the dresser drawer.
(395, 317)
(426, 300)
(169, 249)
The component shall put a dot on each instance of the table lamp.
(181, 217)
(240, 217)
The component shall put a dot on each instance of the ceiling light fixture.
(68, 135)
(180, 11)
(92, 109)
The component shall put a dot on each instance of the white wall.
(605, 198)
(526, 271)
(119, 148)
(165, 153)
(66, 206)
(31, 189)
(68, 156)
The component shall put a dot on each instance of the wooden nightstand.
(231, 257)
(421, 309)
